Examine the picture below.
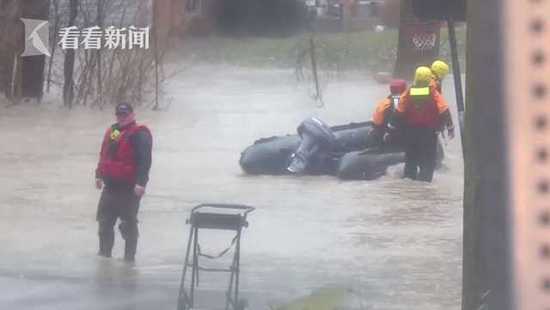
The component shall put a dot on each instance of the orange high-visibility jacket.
(382, 111)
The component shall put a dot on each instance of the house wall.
(173, 19)
(20, 76)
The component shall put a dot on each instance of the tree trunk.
(68, 87)
(11, 45)
(53, 36)
(100, 6)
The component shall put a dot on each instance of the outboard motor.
(316, 136)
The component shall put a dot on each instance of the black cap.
(123, 108)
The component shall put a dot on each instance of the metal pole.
(237, 267)
(314, 67)
(186, 263)
(457, 77)
(229, 300)
(195, 267)
(487, 259)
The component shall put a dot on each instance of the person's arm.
(435, 84)
(375, 136)
(447, 120)
(98, 176)
(398, 116)
(445, 117)
(143, 143)
(380, 118)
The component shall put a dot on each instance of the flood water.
(396, 243)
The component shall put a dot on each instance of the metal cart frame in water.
(233, 219)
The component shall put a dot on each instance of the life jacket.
(422, 110)
(117, 158)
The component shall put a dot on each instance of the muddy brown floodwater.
(396, 243)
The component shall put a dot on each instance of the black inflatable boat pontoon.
(347, 151)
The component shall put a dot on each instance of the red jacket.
(424, 111)
(118, 164)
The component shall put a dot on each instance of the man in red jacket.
(123, 173)
(423, 111)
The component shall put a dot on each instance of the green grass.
(362, 50)
(323, 299)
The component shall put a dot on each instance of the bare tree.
(100, 4)
(107, 76)
(55, 11)
(68, 87)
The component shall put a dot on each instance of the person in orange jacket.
(383, 113)
(423, 111)
(440, 69)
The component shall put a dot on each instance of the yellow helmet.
(440, 69)
(423, 76)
